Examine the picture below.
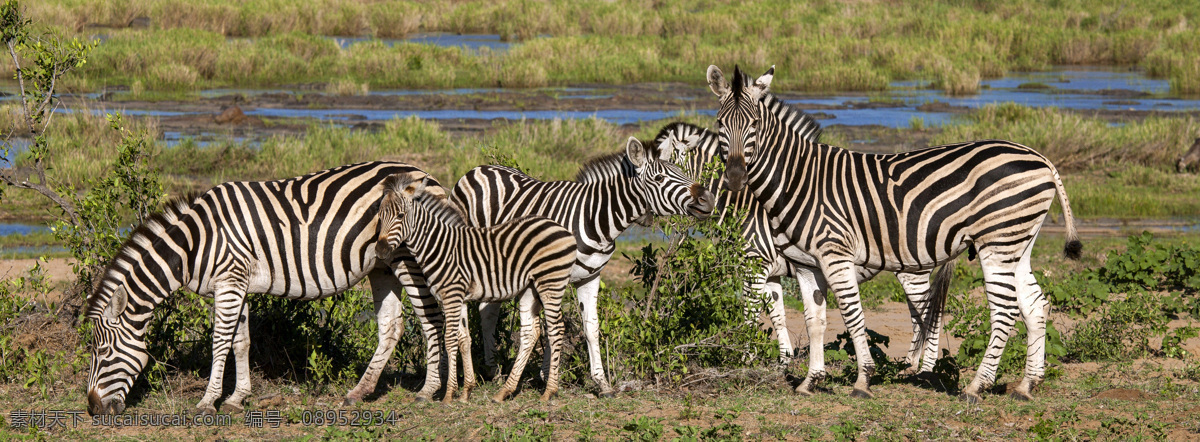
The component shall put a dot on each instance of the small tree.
(91, 224)
(48, 57)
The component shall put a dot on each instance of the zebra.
(900, 212)
(609, 193)
(699, 147)
(493, 264)
(302, 238)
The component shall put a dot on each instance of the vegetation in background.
(1074, 142)
(824, 45)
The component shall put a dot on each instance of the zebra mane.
(605, 167)
(738, 83)
(153, 226)
(433, 199)
(794, 118)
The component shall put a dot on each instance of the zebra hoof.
(862, 394)
(1021, 396)
(423, 400)
(608, 394)
(499, 397)
(349, 401)
(970, 398)
(207, 411)
(233, 407)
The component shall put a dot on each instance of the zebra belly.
(588, 265)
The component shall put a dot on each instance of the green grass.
(820, 45)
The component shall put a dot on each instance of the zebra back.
(492, 263)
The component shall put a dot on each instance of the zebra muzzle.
(97, 406)
(703, 201)
(382, 248)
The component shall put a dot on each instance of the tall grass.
(820, 45)
(1075, 142)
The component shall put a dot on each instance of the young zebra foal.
(482, 264)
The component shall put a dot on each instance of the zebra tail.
(1074, 248)
(937, 300)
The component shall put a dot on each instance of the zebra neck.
(626, 202)
(428, 233)
(789, 163)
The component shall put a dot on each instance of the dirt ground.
(1154, 398)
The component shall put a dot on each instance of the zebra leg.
(489, 315)
(552, 295)
(773, 289)
(766, 286)
(844, 283)
(916, 289)
(587, 294)
(1033, 307)
(241, 357)
(227, 310)
(813, 295)
(1000, 283)
(385, 290)
(427, 309)
(529, 307)
(452, 305)
(464, 346)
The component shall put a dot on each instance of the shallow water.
(470, 42)
(21, 229)
(615, 116)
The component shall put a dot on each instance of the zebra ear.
(117, 303)
(690, 143)
(717, 82)
(763, 83)
(637, 153)
(416, 187)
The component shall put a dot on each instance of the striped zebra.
(901, 212)
(492, 264)
(301, 238)
(610, 193)
(700, 147)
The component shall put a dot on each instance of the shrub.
(689, 309)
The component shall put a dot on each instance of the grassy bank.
(821, 45)
(1121, 171)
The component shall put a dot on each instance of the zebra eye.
(660, 178)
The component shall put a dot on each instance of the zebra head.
(667, 189)
(738, 120)
(395, 225)
(694, 146)
(118, 352)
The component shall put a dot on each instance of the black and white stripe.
(700, 147)
(301, 238)
(517, 258)
(902, 212)
(609, 194)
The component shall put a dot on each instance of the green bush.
(688, 309)
(1123, 330)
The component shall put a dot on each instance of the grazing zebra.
(492, 264)
(609, 193)
(901, 212)
(700, 147)
(302, 238)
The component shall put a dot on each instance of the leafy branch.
(49, 57)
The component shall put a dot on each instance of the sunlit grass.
(815, 46)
